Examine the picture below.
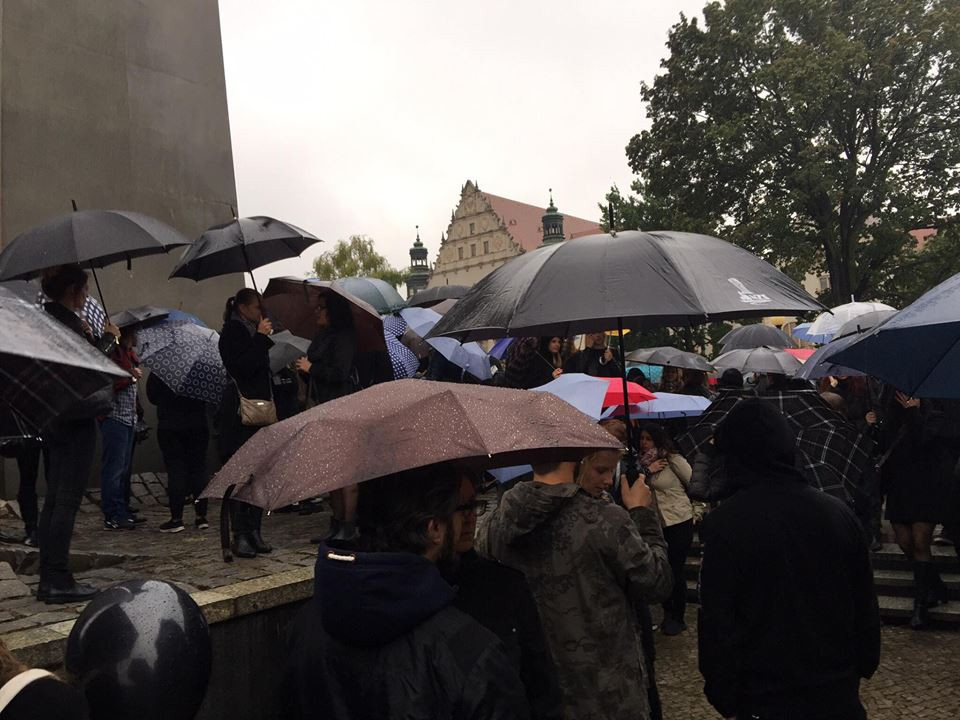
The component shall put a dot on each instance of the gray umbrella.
(134, 316)
(670, 357)
(434, 295)
(754, 336)
(240, 246)
(821, 363)
(379, 294)
(286, 348)
(864, 322)
(759, 360)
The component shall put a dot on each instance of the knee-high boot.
(256, 518)
(243, 545)
(937, 589)
(921, 584)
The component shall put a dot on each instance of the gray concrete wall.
(118, 104)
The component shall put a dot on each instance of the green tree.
(357, 257)
(815, 133)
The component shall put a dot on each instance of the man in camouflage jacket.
(587, 562)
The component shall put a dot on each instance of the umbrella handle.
(246, 259)
(96, 280)
(631, 464)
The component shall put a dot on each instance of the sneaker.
(119, 524)
(172, 526)
(137, 519)
(201, 523)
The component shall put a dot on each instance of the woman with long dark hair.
(245, 349)
(69, 447)
(330, 366)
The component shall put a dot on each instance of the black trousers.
(185, 457)
(28, 465)
(648, 644)
(68, 460)
(679, 538)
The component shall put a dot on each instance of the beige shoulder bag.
(255, 412)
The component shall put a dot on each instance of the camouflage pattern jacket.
(587, 562)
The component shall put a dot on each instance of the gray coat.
(587, 562)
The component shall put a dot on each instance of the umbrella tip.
(74, 203)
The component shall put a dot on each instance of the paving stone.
(6, 572)
(13, 589)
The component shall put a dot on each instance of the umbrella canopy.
(754, 336)
(240, 246)
(827, 324)
(28, 290)
(290, 303)
(379, 294)
(642, 279)
(585, 392)
(47, 369)
(636, 393)
(468, 356)
(186, 357)
(434, 295)
(94, 238)
(864, 322)
(404, 361)
(286, 348)
(444, 306)
(670, 357)
(821, 364)
(758, 360)
(918, 349)
(414, 423)
(832, 454)
(664, 407)
(134, 316)
(500, 348)
(801, 354)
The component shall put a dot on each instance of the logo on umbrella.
(750, 298)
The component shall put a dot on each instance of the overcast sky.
(367, 116)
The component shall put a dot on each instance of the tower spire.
(552, 223)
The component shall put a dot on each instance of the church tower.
(419, 269)
(552, 223)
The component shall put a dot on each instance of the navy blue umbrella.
(918, 349)
(822, 364)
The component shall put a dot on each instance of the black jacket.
(47, 698)
(499, 598)
(789, 620)
(332, 355)
(175, 412)
(589, 362)
(247, 360)
(380, 639)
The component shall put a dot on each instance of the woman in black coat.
(245, 350)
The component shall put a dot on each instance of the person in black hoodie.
(381, 637)
(595, 359)
(789, 620)
(245, 350)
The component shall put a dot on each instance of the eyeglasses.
(474, 506)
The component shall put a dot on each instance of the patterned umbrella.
(832, 455)
(403, 360)
(186, 357)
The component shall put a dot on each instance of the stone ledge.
(44, 646)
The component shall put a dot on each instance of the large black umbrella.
(918, 349)
(754, 336)
(45, 369)
(240, 246)
(670, 357)
(434, 295)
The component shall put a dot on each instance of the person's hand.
(871, 417)
(636, 495)
(906, 401)
(303, 365)
(265, 327)
(607, 355)
(112, 329)
(137, 373)
(558, 372)
(658, 465)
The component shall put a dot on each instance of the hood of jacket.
(529, 505)
(757, 445)
(371, 599)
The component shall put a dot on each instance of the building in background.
(486, 230)
(418, 275)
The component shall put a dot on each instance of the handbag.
(255, 412)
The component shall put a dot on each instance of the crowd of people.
(432, 601)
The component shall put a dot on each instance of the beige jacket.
(669, 485)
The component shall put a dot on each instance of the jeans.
(68, 461)
(28, 465)
(185, 458)
(679, 538)
(117, 451)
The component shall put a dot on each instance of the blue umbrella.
(187, 358)
(500, 348)
(822, 363)
(468, 356)
(584, 392)
(664, 407)
(918, 349)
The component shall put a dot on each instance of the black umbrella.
(240, 246)
(670, 357)
(434, 295)
(47, 369)
(754, 336)
(634, 279)
(137, 315)
(92, 238)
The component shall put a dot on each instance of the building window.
(473, 249)
(460, 253)
(486, 247)
(824, 283)
(471, 228)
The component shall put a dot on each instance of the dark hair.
(244, 296)
(393, 511)
(731, 379)
(338, 310)
(661, 438)
(56, 283)
(637, 375)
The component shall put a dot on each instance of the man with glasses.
(498, 598)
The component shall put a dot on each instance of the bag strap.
(17, 683)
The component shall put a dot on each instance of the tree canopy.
(356, 257)
(816, 133)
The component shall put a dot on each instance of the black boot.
(920, 594)
(256, 517)
(938, 593)
(243, 545)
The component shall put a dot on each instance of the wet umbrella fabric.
(286, 348)
(434, 295)
(754, 336)
(862, 323)
(186, 357)
(403, 360)
(585, 392)
(758, 360)
(664, 407)
(137, 315)
(918, 349)
(290, 304)
(379, 294)
(828, 323)
(642, 279)
(47, 370)
(240, 246)
(832, 455)
(467, 356)
(414, 423)
(821, 364)
(670, 357)
(92, 238)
